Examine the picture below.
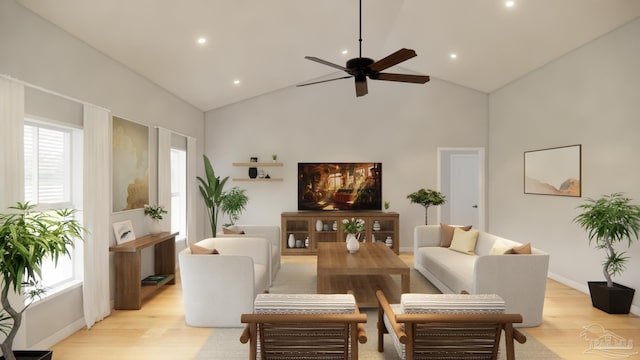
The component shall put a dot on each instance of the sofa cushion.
(446, 233)
(453, 268)
(464, 241)
(232, 230)
(305, 304)
(200, 250)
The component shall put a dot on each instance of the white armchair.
(271, 233)
(217, 289)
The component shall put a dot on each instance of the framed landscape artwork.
(130, 165)
(555, 171)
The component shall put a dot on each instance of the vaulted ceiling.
(262, 43)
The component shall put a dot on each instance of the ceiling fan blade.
(416, 79)
(361, 87)
(393, 59)
(324, 62)
(324, 81)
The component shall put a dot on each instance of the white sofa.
(217, 289)
(519, 279)
(271, 233)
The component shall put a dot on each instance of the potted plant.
(610, 220)
(155, 212)
(212, 193)
(234, 202)
(427, 198)
(27, 238)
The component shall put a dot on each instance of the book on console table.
(154, 279)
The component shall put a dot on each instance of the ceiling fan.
(362, 68)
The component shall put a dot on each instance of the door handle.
(474, 206)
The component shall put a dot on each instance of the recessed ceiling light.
(345, 52)
(202, 40)
(453, 55)
(509, 3)
(236, 82)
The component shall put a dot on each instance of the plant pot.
(32, 355)
(612, 300)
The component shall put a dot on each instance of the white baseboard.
(60, 335)
(584, 288)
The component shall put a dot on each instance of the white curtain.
(192, 191)
(164, 174)
(96, 212)
(11, 142)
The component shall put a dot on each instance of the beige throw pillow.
(464, 241)
(234, 231)
(199, 250)
(446, 233)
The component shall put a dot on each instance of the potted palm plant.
(28, 237)
(212, 193)
(608, 221)
(427, 198)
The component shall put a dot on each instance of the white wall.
(589, 97)
(399, 125)
(35, 51)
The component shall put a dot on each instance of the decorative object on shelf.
(267, 176)
(386, 205)
(610, 220)
(292, 241)
(123, 231)
(334, 227)
(353, 245)
(389, 242)
(306, 242)
(155, 213)
(27, 238)
(319, 225)
(261, 174)
(427, 198)
(253, 171)
(325, 227)
(376, 225)
(298, 243)
(274, 157)
(373, 238)
(212, 193)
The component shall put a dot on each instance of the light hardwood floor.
(158, 331)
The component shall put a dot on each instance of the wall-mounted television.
(340, 186)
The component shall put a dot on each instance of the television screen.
(340, 186)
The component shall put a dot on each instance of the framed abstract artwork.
(555, 171)
(123, 232)
(130, 142)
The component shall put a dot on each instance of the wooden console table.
(129, 290)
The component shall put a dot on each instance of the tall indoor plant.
(427, 198)
(609, 220)
(234, 202)
(212, 193)
(27, 237)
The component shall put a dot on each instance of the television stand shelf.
(302, 224)
(129, 289)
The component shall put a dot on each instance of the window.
(179, 192)
(48, 169)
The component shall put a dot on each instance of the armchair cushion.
(305, 304)
(451, 304)
(195, 249)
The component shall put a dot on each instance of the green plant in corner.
(610, 220)
(27, 238)
(427, 198)
(212, 191)
(234, 202)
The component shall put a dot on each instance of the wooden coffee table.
(364, 272)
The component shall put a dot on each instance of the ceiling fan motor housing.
(359, 67)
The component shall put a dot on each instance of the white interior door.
(461, 180)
